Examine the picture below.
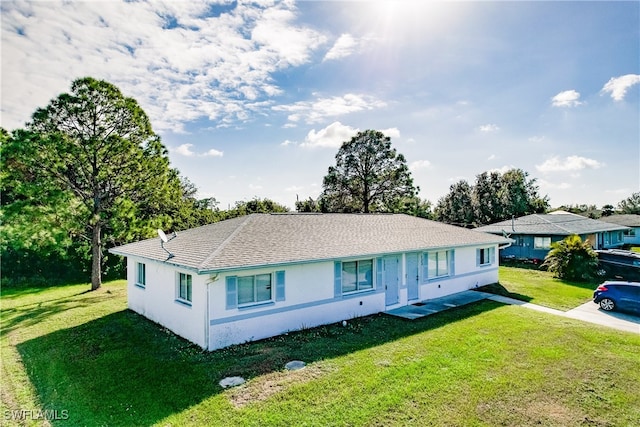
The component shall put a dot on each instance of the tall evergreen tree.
(369, 176)
(96, 146)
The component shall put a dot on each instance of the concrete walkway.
(588, 312)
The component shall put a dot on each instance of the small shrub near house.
(572, 259)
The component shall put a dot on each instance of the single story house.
(533, 234)
(630, 236)
(262, 275)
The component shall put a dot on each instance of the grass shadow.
(25, 315)
(123, 369)
(498, 289)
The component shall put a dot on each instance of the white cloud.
(503, 169)
(287, 142)
(491, 157)
(330, 137)
(568, 164)
(489, 128)
(618, 86)
(344, 46)
(294, 189)
(391, 132)
(184, 150)
(323, 108)
(568, 98)
(176, 59)
(212, 153)
(419, 164)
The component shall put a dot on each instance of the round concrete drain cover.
(231, 382)
(294, 365)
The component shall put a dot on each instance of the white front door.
(413, 277)
(391, 268)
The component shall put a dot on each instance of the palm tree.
(572, 259)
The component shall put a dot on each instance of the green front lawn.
(540, 287)
(484, 364)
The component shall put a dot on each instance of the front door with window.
(391, 269)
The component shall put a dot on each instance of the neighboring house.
(533, 234)
(262, 275)
(630, 236)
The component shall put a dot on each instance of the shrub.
(572, 259)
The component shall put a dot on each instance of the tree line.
(85, 174)
(88, 173)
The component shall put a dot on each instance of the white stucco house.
(262, 275)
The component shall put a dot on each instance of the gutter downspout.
(206, 318)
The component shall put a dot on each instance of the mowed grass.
(482, 365)
(540, 287)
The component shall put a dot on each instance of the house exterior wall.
(157, 300)
(467, 275)
(611, 240)
(311, 294)
(524, 247)
(632, 236)
(310, 301)
(312, 298)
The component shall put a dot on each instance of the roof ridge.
(226, 241)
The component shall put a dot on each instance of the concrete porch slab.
(432, 306)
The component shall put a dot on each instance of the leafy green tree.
(607, 210)
(456, 207)
(369, 176)
(520, 195)
(494, 197)
(487, 198)
(630, 205)
(413, 206)
(255, 205)
(96, 145)
(308, 205)
(572, 259)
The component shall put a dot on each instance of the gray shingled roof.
(628, 220)
(562, 224)
(267, 239)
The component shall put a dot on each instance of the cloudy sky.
(255, 98)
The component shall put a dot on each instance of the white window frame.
(187, 296)
(540, 242)
(438, 261)
(255, 290)
(141, 267)
(361, 285)
(486, 255)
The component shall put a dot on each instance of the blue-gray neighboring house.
(532, 235)
(632, 235)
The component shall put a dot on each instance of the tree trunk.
(96, 257)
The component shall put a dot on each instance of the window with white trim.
(541, 242)
(257, 289)
(357, 275)
(185, 285)
(141, 275)
(438, 264)
(485, 256)
(254, 289)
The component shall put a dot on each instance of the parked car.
(623, 296)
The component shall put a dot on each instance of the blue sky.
(253, 99)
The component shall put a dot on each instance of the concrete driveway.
(590, 312)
